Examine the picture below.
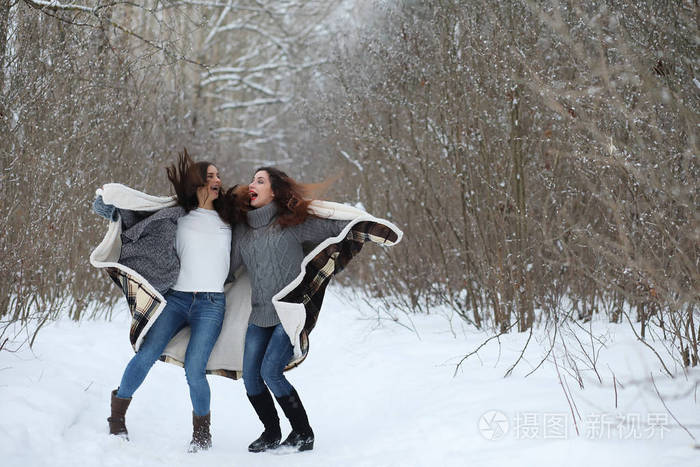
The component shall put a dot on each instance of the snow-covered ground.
(377, 395)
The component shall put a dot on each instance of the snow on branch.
(266, 67)
(352, 161)
(248, 27)
(226, 77)
(56, 6)
(210, 4)
(215, 29)
(259, 87)
(252, 103)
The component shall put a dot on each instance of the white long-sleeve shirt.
(203, 244)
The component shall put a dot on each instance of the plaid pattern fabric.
(330, 261)
(142, 302)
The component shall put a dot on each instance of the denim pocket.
(216, 298)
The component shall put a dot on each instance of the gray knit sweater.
(148, 245)
(272, 255)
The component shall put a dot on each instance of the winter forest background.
(540, 156)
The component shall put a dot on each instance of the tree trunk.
(4, 22)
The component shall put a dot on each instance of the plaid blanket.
(144, 300)
(143, 304)
(298, 304)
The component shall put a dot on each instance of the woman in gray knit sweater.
(271, 246)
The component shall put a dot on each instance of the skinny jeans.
(267, 352)
(204, 313)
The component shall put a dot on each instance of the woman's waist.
(209, 278)
(197, 293)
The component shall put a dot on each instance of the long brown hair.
(293, 198)
(186, 176)
(235, 204)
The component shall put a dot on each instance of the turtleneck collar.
(261, 217)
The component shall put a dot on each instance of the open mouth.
(253, 196)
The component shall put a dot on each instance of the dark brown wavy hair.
(186, 176)
(293, 198)
(235, 204)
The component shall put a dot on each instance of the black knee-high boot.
(302, 436)
(265, 408)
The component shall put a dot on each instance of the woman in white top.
(194, 239)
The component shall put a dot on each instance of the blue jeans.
(204, 312)
(267, 352)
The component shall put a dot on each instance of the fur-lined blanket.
(297, 305)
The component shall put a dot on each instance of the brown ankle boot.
(117, 425)
(201, 438)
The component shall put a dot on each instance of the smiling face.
(260, 189)
(210, 191)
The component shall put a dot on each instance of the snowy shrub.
(541, 157)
